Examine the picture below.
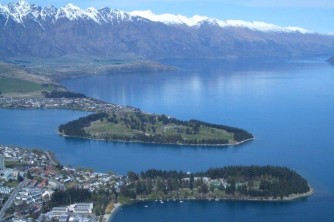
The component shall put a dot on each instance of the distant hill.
(31, 30)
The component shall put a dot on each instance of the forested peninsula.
(231, 182)
(136, 126)
(257, 183)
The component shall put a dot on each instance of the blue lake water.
(288, 106)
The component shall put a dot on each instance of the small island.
(136, 126)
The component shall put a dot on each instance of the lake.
(287, 105)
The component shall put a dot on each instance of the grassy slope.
(11, 85)
(102, 129)
(8, 70)
(15, 82)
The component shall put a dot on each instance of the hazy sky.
(315, 15)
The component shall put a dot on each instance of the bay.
(287, 105)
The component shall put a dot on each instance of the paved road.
(11, 199)
(51, 159)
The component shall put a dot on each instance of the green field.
(12, 85)
(14, 164)
(137, 124)
(105, 129)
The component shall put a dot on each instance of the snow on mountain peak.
(3, 8)
(260, 26)
(70, 12)
(73, 12)
(20, 10)
(169, 19)
(93, 14)
(196, 20)
(71, 6)
(22, 4)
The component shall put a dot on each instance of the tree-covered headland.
(231, 182)
(234, 182)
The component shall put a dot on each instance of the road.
(51, 159)
(11, 199)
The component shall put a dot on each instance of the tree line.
(63, 94)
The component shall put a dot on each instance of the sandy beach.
(107, 217)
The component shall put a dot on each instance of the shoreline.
(172, 144)
(108, 217)
(297, 196)
(149, 66)
(292, 197)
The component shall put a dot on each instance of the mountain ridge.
(32, 30)
(197, 21)
(22, 9)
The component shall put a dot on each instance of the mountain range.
(32, 30)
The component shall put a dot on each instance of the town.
(30, 177)
(83, 104)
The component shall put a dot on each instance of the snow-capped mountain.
(197, 20)
(21, 10)
(50, 31)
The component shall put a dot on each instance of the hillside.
(15, 82)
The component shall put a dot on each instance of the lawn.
(104, 128)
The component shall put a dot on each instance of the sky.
(314, 15)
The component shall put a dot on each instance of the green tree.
(231, 188)
(19, 178)
(160, 185)
(203, 188)
(29, 176)
(212, 188)
(132, 176)
(191, 182)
